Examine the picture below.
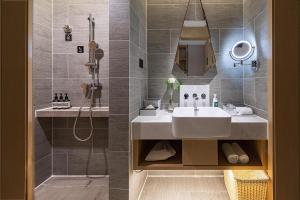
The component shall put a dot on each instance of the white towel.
(244, 111)
(161, 151)
(243, 157)
(231, 156)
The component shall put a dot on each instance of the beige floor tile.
(184, 188)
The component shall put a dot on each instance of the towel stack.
(234, 153)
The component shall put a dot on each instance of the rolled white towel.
(243, 157)
(244, 111)
(231, 156)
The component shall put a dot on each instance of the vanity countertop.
(249, 127)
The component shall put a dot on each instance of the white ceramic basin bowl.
(207, 122)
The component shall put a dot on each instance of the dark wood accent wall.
(14, 60)
(286, 100)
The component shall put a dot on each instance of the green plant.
(173, 84)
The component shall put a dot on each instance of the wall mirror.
(195, 54)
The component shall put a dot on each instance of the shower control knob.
(186, 96)
(195, 95)
(203, 96)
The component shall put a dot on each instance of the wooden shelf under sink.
(255, 149)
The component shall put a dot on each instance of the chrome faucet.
(196, 98)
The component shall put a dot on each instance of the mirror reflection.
(195, 53)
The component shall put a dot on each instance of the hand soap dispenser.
(215, 101)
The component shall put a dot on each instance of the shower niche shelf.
(72, 112)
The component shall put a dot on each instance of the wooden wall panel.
(13, 99)
(286, 100)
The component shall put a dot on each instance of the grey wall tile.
(135, 70)
(42, 12)
(84, 122)
(78, 14)
(119, 95)
(119, 133)
(263, 42)
(261, 93)
(224, 15)
(159, 41)
(118, 169)
(42, 91)
(253, 8)
(165, 16)
(60, 164)
(119, 21)
(85, 163)
(135, 94)
(42, 45)
(228, 37)
(42, 169)
(60, 13)
(116, 194)
(232, 91)
(73, 88)
(119, 59)
(60, 66)
(161, 65)
(249, 91)
(225, 67)
(64, 141)
(100, 141)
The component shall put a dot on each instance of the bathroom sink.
(206, 122)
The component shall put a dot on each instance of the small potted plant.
(172, 85)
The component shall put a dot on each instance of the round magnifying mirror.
(241, 50)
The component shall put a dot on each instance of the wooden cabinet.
(199, 152)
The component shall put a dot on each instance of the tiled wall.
(165, 18)
(42, 86)
(257, 32)
(119, 23)
(71, 157)
(138, 80)
(128, 87)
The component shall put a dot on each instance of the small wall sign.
(80, 49)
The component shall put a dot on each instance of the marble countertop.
(250, 127)
(72, 112)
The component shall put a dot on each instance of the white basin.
(207, 122)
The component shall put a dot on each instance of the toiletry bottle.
(66, 98)
(215, 101)
(61, 98)
(55, 98)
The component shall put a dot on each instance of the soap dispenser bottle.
(215, 101)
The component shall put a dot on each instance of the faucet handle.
(186, 96)
(195, 95)
(203, 96)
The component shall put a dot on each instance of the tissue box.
(144, 112)
(155, 102)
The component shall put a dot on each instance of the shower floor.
(73, 188)
(184, 188)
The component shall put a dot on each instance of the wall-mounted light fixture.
(241, 51)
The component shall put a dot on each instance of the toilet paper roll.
(231, 156)
(243, 157)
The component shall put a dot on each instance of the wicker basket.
(246, 185)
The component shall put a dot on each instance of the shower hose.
(91, 92)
